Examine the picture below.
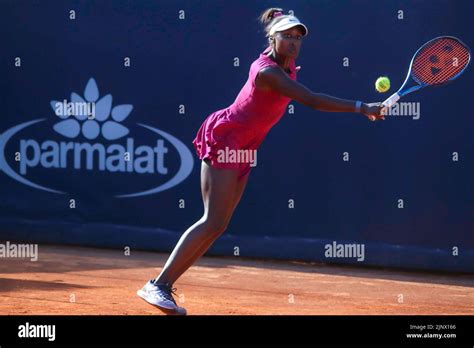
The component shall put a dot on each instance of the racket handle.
(388, 103)
(391, 100)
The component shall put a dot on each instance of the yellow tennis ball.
(382, 84)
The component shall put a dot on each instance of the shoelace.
(166, 291)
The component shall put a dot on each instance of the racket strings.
(440, 61)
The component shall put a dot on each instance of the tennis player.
(243, 126)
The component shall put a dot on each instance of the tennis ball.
(382, 84)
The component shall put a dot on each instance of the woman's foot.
(161, 296)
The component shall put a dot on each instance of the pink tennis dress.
(244, 124)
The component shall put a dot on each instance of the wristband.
(358, 105)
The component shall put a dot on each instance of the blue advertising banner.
(397, 193)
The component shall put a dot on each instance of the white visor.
(287, 23)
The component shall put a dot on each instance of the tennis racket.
(437, 62)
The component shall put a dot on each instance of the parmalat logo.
(94, 136)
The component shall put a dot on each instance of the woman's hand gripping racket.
(438, 61)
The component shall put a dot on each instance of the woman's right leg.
(218, 189)
(202, 250)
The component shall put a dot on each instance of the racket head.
(440, 60)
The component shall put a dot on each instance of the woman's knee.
(215, 224)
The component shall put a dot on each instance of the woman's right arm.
(278, 81)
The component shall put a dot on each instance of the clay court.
(78, 280)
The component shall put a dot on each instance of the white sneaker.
(161, 296)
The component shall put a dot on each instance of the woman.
(243, 126)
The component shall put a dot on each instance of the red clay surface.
(75, 280)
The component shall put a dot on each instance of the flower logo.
(100, 123)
